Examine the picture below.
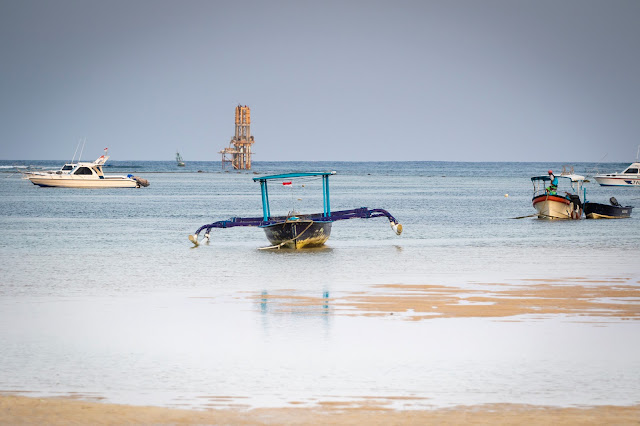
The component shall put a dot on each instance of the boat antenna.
(76, 151)
(83, 142)
(638, 153)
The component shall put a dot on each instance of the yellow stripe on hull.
(604, 216)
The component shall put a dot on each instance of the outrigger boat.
(550, 205)
(296, 230)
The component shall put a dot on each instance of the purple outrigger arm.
(360, 213)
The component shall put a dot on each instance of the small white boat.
(629, 177)
(561, 203)
(85, 175)
(179, 160)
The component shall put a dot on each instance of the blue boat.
(296, 230)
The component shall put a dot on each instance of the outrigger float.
(296, 230)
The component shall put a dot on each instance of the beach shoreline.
(22, 410)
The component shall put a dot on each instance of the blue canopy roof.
(292, 175)
(266, 210)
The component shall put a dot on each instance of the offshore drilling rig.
(240, 146)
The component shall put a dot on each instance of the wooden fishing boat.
(563, 202)
(296, 230)
(613, 210)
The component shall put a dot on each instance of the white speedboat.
(629, 177)
(561, 203)
(86, 175)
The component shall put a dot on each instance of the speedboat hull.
(606, 211)
(556, 207)
(298, 233)
(70, 181)
(617, 180)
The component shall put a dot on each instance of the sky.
(348, 80)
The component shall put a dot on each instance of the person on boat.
(553, 185)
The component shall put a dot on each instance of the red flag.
(286, 183)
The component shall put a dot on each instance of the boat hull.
(612, 180)
(606, 211)
(556, 207)
(298, 234)
(77, 182)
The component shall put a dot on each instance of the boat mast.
(76, 151)
(80, 157)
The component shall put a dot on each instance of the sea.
(103, 297)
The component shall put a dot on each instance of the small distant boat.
(179, 160)
(550, 205)
(296, 230)
(628, 177)
(613, 210)
(86, 175)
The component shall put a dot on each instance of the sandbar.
(614, 299)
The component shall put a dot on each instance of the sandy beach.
(609, 301)
(17, 410)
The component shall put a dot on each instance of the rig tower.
(240, 145)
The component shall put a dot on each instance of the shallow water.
(103, 296)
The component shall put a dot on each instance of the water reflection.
(294, 304)
(291, 308)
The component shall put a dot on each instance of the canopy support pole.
(325, 194)
(266, 211)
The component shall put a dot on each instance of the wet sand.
(578, 297)
(18, 410)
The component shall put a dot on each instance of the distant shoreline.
(555, 163)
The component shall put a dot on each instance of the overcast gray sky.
(462, 80)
